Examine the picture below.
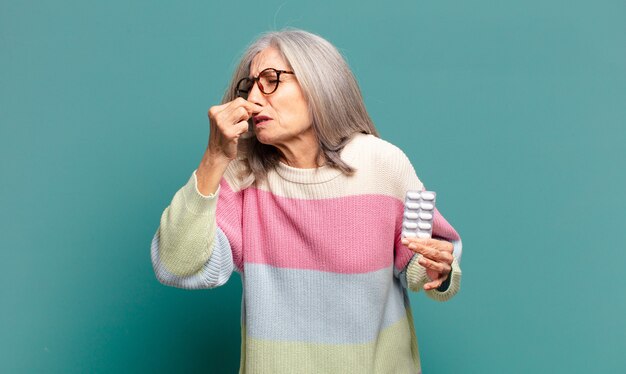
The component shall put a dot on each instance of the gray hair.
(333, 96)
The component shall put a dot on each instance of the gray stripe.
(213, 274)
(315, 306)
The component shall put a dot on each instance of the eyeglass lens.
(268, 82)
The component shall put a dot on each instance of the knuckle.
(212, 111)
(221, 128)
(228, 133)
(434, 254)
(217, 117)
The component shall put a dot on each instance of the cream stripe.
(214, 273)
(390, 173)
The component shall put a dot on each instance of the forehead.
(268, 58)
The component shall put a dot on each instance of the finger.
(446, 257)
(436, 283)
(447, 246)
(426, 251)
(232, 116)
(214, 110)
(407, 241)
(253, 108)
(241, 127)
(250, 107)
(441, 267)
(423, 241)
(436, 255)
(442, 245)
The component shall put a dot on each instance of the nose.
(255, 95)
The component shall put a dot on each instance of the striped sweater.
(324, 272)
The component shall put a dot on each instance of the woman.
(308, 210)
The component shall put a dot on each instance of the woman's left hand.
(436, 258)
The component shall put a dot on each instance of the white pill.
(408, 234)
(427, 206)
(424, 225)
(423, 235)
(410, 225)
(414, 206)
(425, 216)
(413, 195)
(427, 195)
(410, 215)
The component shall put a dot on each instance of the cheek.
(292, 108)
(301, 111)
(292, 111)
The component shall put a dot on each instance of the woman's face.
(287, 107)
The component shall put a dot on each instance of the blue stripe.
(321, 307)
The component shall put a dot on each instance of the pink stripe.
(228, 218)
(318, 234)
(343, 235)
(442, 229)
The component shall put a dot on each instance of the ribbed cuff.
(416, 278)
(453, 288)
(416, 274)
(196, 202)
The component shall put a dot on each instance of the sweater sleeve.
(411, 274)
(198, 240)
(415, 273)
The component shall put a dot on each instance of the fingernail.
(405, 240)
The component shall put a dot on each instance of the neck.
(301, 153)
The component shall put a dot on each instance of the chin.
(264, 139)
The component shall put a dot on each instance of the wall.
(512, 111)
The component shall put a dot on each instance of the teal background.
(513, 111)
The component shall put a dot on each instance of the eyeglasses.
(267, 81)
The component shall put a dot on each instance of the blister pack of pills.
(419, 211)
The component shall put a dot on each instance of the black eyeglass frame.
(256, 80)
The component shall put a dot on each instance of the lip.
(259, 119)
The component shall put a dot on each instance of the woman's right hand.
(228, 121)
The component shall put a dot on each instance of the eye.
(268, 75)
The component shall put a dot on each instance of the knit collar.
(320, 174)
(307, 176)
